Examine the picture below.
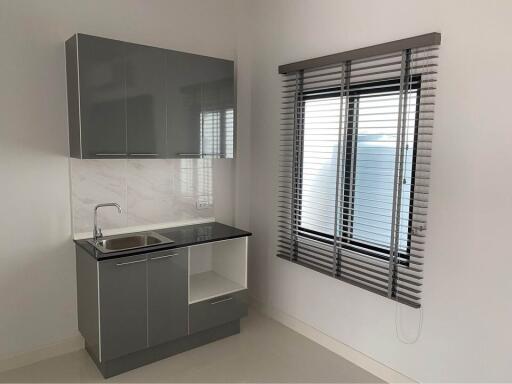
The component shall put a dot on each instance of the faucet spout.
(97, 230)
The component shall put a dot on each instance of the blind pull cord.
(398, 312)
(398, 326)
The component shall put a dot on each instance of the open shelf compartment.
(217, 269)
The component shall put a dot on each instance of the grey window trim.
(433, 38)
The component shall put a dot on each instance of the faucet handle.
(97, 230)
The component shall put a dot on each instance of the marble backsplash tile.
(149, 191)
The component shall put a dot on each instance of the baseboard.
(376, 368)
(71, 344)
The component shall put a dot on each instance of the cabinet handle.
(143, 154)
(164, 256)
(222, 300)
(131, 262)
(110, 154)
(201, 154)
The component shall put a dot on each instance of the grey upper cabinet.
(183, 104)
(218, 108)
(200, 106)
(167, 296)
(123, 306)
(96, 97)
(145, 101)
(130, 100)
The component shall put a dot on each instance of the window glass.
(370, 175)
(321, 124)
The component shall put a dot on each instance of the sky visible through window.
(373, 176)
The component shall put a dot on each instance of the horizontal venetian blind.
(355, 164)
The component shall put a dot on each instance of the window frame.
(355, 91)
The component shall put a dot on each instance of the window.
(370, 141)
(355, 165)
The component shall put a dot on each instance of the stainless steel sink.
(129, 241)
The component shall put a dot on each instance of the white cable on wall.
(398, 326)
(410, 105)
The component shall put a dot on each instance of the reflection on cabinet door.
(145, 101)
(217, 109)
(135, 101)
(200, 106)
(102, 96)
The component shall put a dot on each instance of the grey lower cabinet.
(143, 301)
(123, 306)
(134, 310)
(167, 296)
(220, 310)
(129, 100)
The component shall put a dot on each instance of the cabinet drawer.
(220, 310)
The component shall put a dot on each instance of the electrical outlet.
(202, 204)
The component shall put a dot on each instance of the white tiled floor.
(264, 351)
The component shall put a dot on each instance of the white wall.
(466, 334)
(37, 268)
(467, 288)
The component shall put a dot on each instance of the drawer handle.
(131, 262)
(222, 301)
(164, 256)
(110, 154)
(143, 154)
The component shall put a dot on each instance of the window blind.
(354, 174)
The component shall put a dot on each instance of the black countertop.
(183, 237)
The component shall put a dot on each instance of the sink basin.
(131, 241)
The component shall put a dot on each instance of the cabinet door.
(217, 109)
(167, 295)
(145, 101)
(102, 73)
(123, 306)
(183, 104)
(200, 105)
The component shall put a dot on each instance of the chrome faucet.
(97, 231)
